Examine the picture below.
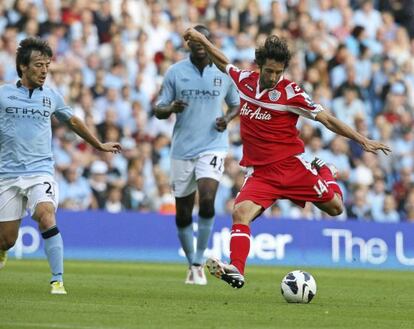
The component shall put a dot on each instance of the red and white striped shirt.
(268, 118)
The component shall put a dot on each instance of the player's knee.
(336, 209)
(240, 216)
(45, 215)
(206, 210)
(183, 221)
(7, 243)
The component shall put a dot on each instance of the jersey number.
(213, 162)
(49, 188)
(320, 188)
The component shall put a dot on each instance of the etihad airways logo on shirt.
(24, 112)
(199, 93)
(257, 114)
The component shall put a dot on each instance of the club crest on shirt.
(217, 81)
(274, 95)
(47, 102)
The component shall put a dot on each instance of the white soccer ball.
(298, 287)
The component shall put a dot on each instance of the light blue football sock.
(205, 226)
(186, 236)
(53, 244)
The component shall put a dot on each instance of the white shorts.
(19, 194)
(186, 173)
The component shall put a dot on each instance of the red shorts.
(292, 178)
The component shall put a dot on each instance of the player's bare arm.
(77, 125)
(222, 122)
(219, 59)
(337, 126)
(164, 112)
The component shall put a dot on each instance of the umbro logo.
(185, 79)
(12, 97)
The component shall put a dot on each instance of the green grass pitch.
(112, 295)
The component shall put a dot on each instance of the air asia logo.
(257, 114)
(19, 112)
(47, 102)
(197, 93)
(217, 81)
(274, 95)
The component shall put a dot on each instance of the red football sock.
(239, 246)
(326, 174)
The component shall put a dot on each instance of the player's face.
(197, 50)
(34, 74)
(270, 73)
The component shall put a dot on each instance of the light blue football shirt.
(25, 129)
(194, 131)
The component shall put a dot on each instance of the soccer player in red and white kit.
(270, 106)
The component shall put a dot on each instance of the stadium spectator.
(113, 203)
(359, 208)
(74, 190)
(388, 212)
(98, 181)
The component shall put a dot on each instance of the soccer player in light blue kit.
(26, 160)
(196, 90)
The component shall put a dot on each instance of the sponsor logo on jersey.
(200, 93)
(12, 97)
(24, 112)
(257, 114)
(274, 95)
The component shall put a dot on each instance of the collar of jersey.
(208, 65)
(20, 85)
(260, 94)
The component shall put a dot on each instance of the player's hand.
(373, 146)
(193, 35)
(221, 123)
(178, 106)
(111, 147)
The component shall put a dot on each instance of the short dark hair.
(25, 49)
(203, 30)
(274, 48)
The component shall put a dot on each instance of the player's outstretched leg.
(3, 258)
(329, 173)
(226, 272)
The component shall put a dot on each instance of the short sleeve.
(62, 112)
(232, 96)
(167, 93)
(299, 102)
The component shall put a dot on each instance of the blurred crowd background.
(355, 57)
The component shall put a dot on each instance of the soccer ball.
(298, 287)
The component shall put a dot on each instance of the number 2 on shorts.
(49, 189)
